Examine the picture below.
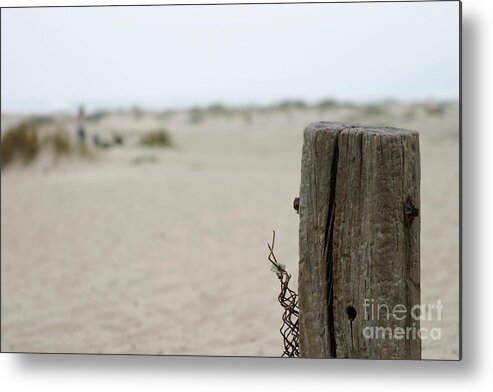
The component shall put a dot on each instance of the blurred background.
(148, 152)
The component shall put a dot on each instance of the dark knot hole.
(351, 312)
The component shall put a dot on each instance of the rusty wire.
(289, 301)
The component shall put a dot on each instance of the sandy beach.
(164, 250)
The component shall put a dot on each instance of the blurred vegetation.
(436, 109)
(60, 142)
(157, 138)
(326, 104)
(198, 114)
(98, 115)
(220, 110)
(41, 119)
(25, 142)
(20, 141)
(289, 105)
(166, 114)
(373, 109)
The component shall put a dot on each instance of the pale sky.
(172, 57)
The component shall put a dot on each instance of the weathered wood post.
(359, 267)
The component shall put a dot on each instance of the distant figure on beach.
(81, 131)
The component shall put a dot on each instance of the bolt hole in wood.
(351, 314)
(296, 205)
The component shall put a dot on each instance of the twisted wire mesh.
(289, 301)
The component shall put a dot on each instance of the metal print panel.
(231, 180)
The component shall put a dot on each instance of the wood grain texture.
(359, 241)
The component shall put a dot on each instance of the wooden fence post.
(359, 267)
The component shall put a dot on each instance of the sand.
(164, 251)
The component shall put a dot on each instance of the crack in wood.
(329, 231)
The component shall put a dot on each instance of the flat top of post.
(338, 127)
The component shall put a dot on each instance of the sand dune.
(163, 251)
